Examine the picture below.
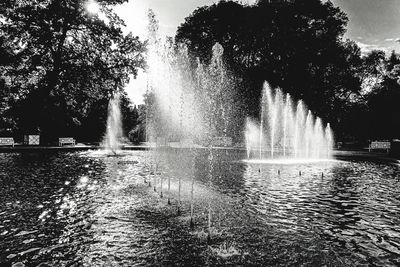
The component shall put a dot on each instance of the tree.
(382, 99)
(138, 133)
(7, 124)
(68, 60)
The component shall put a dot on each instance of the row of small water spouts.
(310, 138)
(300, 173)
(155, 171)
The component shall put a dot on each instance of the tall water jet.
(329, 138)
(114, 131)
(210, 178)
(299, 125)
(261, 129)
(318, 138)
(308, 135)
(253, 139)
(285, 122)
(275, 105)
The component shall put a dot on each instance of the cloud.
(392, 40)
(366, 48)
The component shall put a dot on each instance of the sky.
(373, 24)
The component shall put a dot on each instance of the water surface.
(86, 208)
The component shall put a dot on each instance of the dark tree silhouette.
(383, 97)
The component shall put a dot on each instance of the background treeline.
(298, 45)
(60, 65)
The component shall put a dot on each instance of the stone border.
(337, 154)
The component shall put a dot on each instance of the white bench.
(31, 139)
(6, 141)
(66, 140)
(381, 145)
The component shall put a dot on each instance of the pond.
(91, 209)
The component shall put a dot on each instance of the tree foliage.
(382, 111)
(65, 62)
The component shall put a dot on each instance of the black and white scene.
(199, 133)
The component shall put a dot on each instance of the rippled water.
(86, 208)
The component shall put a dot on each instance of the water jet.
(114, 132)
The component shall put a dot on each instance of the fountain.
(239, 213)
(191, 103)
(286, 134)
(111, 141)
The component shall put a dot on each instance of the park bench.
(6, 141)
(66, 140)
(31, 139)
(379, 145)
